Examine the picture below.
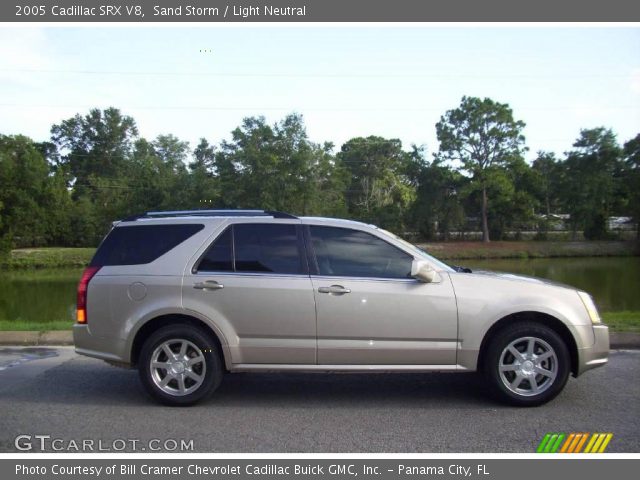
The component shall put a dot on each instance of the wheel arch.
(160, 321)
(542, 318)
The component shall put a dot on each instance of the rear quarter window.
(141, 244)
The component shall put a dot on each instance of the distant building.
(621, 223)
(556, 221)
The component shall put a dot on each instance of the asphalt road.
(52, 391)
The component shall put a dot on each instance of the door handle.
(208, 285)
(334, 290)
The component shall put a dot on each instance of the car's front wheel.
(527, 364)
(180, 365)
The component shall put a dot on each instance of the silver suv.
(187, 296)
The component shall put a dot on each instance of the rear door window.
(255, 248)
(219, 257)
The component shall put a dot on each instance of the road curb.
(31, 338)
(624, 340)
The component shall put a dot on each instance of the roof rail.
(211, 213)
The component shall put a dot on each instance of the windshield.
(419, 252)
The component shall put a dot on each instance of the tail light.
(81, 310)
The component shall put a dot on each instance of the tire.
(180, 365)
(519, 376)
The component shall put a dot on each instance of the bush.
(596, 228)
(5, 248)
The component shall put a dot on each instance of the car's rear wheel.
(527, 364)
(180, 365)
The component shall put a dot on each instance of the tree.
(632, 179)
(248, 167)
(482, 135)
(297, 159)
(330, 180)
(592, 177)
(33, 201)
(204, 156)
(23, 176)
(437, 208)
(203, 186)
(172, 152)
(273, 167)
(97, 144)
(548, 172)
(380, 189)
(513, 205)
(59, 205)
(5, 240)
(157, 176)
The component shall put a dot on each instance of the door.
(369, 309)
(253, 282)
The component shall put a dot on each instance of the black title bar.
(320, 11)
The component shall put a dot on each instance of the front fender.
(483, 301)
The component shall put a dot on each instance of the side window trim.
(302, 251)
(233, 248)
(314, 261)
(310, 253)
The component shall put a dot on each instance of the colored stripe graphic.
(607, 439)
(596, 446)
(592, 440)
(556, 445)
(543, 443)
(573, 442)
(581, 443)
(569, 441)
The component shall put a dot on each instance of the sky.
(346, 81)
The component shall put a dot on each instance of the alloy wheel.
(178, 367)
(528, 366)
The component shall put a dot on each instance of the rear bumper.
(597, 354)
(110, 349)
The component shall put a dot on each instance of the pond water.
(614, 282)
(39, 295)
(49, 294)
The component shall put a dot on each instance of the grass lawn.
(52, 257)
(527, 249)
(17, 325)
(622, 321)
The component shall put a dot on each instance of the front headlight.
(590, 306)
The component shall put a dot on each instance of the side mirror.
(422, 271)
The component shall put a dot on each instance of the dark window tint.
(266, 248)
(219, 257)
(350, 253)
(139, 244)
